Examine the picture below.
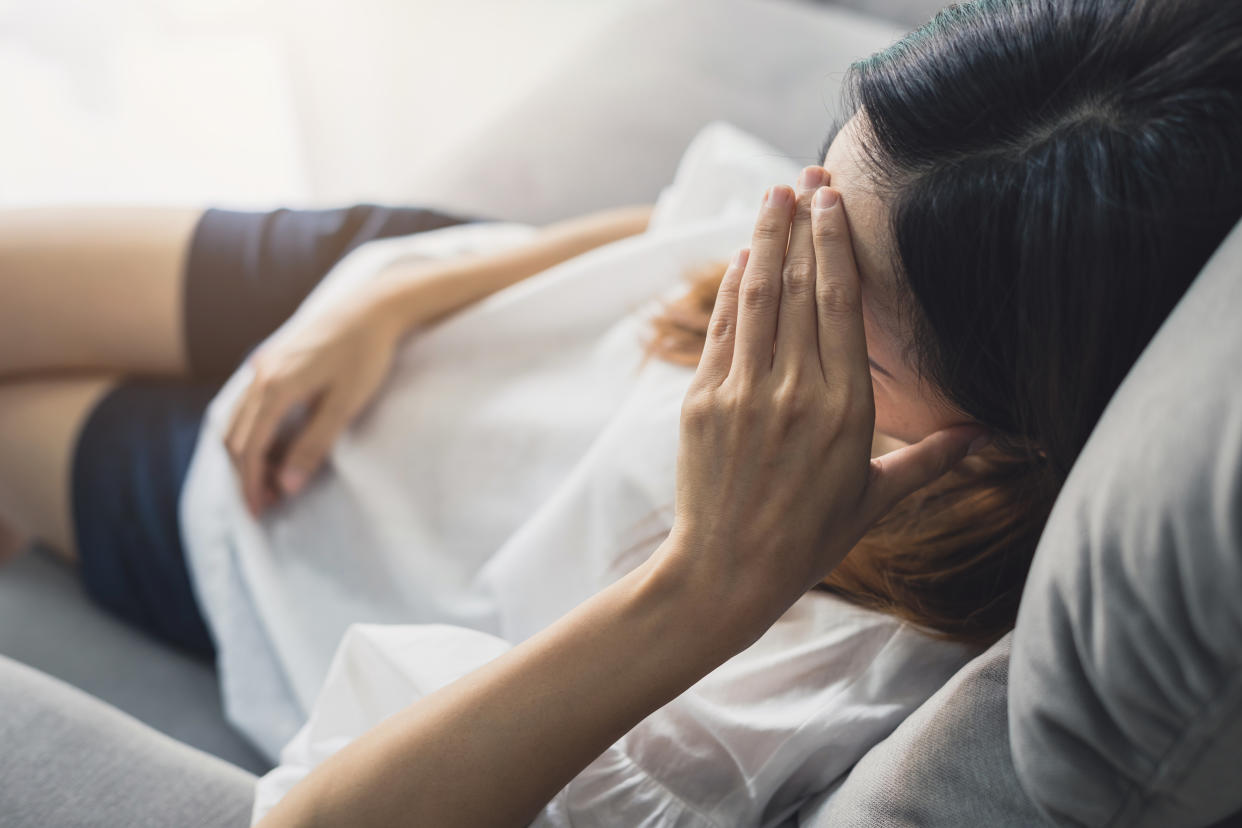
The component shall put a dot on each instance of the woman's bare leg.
(97, 289)
(39, 423)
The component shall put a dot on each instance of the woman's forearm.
(418, 292)
(492, 748)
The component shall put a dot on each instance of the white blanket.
(516, 462)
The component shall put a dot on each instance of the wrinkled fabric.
(748, 744)
(520, 457)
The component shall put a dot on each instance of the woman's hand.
(329, 370)
(320, 376)
(775, 482)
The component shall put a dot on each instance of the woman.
(1018, 233)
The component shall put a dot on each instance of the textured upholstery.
(946, 766)
(48, 622)
(70, 760)
(1126, 677)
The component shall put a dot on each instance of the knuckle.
(267, 386)
(785, 396)
(836, 299)
(263, 369)
(757, 294)
(828, 231)
(791, 397)
(270, 380)
(799, 276)
(743, 401)
(721, 326)
(769, 230)
(698, 410)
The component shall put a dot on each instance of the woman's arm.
(774, 487)
(495, 746)
(417, 293)
(335, 364)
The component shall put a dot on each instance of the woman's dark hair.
(1057, 174)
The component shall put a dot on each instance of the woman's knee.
(40, 420)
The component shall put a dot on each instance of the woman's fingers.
(313, 442)
(722, 328)
(254, 466)
(838, 302)
(236, 441)
(759, 294)
(796, 334)
(259, 415)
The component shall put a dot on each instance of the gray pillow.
(609, 125)
(946, 766)
(1125, 703)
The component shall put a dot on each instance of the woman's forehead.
(867, 216)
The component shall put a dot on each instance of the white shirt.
(517, 461)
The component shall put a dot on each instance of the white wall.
(256, 102)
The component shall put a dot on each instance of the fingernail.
(292, 480)
(825, 197)
(810, 178)
(979, 443)
(782, 196)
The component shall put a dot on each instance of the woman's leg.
(157, 291)
(141, 291)
(40, 420)
(94, 468)
(96, 289)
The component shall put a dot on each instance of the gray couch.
(1133, 595)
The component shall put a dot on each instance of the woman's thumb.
(909, 468)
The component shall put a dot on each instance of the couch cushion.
(945, 766)
(609, 124)
(48, 622)
(1126, 675)
(70, 760)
